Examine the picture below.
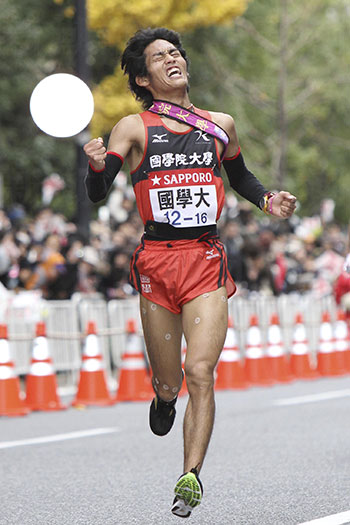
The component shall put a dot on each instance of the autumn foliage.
(116, 21)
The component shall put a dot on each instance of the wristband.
(270, 203)
(266, 202)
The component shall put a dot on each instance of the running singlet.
(178, 181)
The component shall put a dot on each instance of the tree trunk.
(281, 104)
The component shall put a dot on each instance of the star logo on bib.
(156, 180)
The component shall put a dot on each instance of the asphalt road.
(279, 456)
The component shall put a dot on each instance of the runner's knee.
(167, 389)
(199, 375)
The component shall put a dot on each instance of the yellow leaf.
(117, 20)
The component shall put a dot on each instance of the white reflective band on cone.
(274, 350)
(40, 349)
(134, 344)
(274, 335)
(230, 338)
(4, 351)
(253, 336)
(254, 352)
(92, 365)
(228, 356)
(326, 338)
(41, 369)
(6, 372)
(299, 348)
(91, 348)
(133, 364)
(341, 333)
(326, 331)
(340, 346)
(326, 347)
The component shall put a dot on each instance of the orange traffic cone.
(326, 359)
(342, 343)
(11, 403)
(300, 361)
(230, 370)
(134, 380)
(41, 384)
(276, 358)
(255, 361)
(92, 388)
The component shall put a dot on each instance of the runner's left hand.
(283, 205)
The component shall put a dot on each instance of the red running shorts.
(171, 273)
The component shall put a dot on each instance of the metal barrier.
(286, 306)
(119, 312)
(66, 322)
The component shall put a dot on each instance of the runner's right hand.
(96, 153)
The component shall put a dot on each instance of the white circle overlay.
(61, 105)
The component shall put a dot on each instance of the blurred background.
(280, 68)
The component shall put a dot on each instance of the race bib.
(184, 199)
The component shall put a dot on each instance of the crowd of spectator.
(48, 253)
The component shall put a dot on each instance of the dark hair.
(133, 60)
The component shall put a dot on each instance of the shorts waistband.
(162, 231)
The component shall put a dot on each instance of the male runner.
(174, 152)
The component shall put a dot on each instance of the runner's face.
(167, 69)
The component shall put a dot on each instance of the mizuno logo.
(210, 254)
(159, 138)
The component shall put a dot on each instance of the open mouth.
(174, 72)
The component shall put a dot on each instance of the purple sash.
(162, 107)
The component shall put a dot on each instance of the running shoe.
(188, 494)
(161, 415)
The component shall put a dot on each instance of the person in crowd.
(174, 151)
(342, 288)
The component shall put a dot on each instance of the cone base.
(256, 372)
(42, 393)
(328, 365)
(14, 412)
(279, 370)
(134, 385)
(92, 390)
(96, 402)
(230, 376)
(45, 408)
(301, 367)
(11, 403)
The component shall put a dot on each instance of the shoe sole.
(189, 490)
(181, 509)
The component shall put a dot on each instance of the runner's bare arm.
(104, 165)
(227, 123)
(127, 139)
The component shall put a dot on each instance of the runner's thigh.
(163, 332)
(205, 324)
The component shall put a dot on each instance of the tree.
(116, 20)
(283, 75)
(28, 52)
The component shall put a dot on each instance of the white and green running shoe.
(188, 494)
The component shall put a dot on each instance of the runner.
(175, 151)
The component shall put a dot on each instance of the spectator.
(233, 242)
(342, 288)
(114, 285)
(261, 256)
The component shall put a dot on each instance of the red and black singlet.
(178, 180)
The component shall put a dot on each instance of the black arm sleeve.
(243, 181)
(98, 183)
